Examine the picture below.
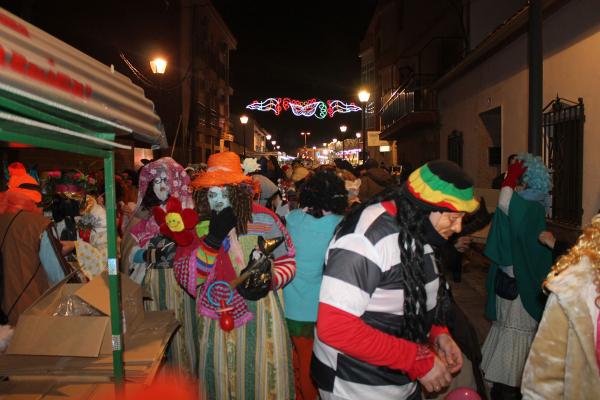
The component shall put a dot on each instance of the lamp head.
(364, 96)
(158, 65)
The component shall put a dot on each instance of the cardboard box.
(39, 332)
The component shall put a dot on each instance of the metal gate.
(562, 128)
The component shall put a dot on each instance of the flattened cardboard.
(58, 336)
(38, 332)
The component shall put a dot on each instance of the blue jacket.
(311, 237)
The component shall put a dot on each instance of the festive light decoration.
(308, 108)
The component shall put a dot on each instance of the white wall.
(571, 69)
(501, 81)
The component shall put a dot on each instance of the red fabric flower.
(175, 223)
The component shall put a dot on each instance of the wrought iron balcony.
(413, 103)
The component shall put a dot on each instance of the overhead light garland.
(308, 108)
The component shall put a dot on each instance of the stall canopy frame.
(26, 121)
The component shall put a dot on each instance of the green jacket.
(513, 240)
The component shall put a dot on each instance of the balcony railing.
(415, 95)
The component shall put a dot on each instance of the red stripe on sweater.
(352, 336)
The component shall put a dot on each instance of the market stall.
(53, 96)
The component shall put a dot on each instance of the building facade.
(483, 102)
(206, 42)
(408, 45)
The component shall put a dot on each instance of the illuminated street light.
(358, 135)
(364, 96)
(268, 137)
(158, 65)
(244, 121)
(305, 134)
(343, 129)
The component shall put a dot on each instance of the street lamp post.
(159, 67)
(364, 96)
(343, 129)
(244, 121)
(305, 134)
(358, 141)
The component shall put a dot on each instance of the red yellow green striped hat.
(441, 186)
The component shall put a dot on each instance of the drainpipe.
(193, 111)
(536, 73)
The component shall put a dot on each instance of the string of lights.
(309, 108)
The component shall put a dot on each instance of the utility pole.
(195, 60)
(536, 74)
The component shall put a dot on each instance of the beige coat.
(562, 362)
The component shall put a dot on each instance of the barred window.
(562, 130)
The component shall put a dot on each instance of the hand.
(219, 227)
(448, 351)
(462, 244)
(547, 239)
(437, 378)
(514, 173)
(161, 248)
(67, 246)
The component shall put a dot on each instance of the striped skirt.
(250, 362)
(182, 354)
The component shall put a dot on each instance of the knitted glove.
(514, 173)
(220, 225)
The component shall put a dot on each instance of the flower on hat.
(250, 165)
(176, 223)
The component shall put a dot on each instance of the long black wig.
(412, 222)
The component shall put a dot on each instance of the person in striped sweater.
(382, 307)
(253, 360)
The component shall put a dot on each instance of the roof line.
(42, 125)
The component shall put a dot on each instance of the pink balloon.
(463, 393)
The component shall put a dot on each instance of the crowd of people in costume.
(327, 282)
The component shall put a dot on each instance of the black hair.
(412, 223)
(324, 191)
(510, 158)
(150, 200)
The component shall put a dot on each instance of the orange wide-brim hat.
(223, 169)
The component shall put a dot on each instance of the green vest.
(513, 240)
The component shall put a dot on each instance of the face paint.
(160, 187)
(218, 198)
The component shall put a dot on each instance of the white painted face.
(161, 187)
(218, 198)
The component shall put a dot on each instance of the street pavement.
(470, 293)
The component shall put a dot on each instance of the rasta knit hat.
(441, 186)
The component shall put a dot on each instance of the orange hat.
(223, 169)
(21, 182)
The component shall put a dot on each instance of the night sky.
(290, 49)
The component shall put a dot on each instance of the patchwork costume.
(251, 359)
(148, 255)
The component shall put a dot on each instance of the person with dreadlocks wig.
(244, 348)
(382, 307)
